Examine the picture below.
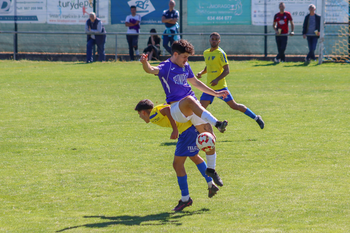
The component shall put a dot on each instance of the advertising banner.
(28, 11)
(75, 11)
(219, 12)
(297, 8)
(150, 10)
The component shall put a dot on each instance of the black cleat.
(182, 205)
(212, 191)
(221, 126)
(212, 173)
(260, 122)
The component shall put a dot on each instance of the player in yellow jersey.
(185, 147)
(217, 69)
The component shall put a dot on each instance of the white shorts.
(181, 118)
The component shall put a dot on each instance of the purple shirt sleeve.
(190, 72)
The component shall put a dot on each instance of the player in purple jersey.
(174, 74)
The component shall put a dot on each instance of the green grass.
(75, 156)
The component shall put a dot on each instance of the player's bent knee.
(188, 100)
(210, 152)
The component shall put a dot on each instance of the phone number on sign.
(219, 17)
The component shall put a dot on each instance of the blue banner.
(219, 12)
(150, 10)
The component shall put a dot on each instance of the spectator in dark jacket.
(311, 31)
(94, 24)
(153, 46)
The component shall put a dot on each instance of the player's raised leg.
(202, 167)
(242, 108)
(189, 106)
(210, 155)
(206, 100)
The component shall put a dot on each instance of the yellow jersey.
(156, 117)
(215, 61)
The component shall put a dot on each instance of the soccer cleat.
(277, 60)
(221, 126)
(212, 173)
(182, 205)
(260, 122)
(212, 191)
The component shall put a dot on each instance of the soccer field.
(76, 157)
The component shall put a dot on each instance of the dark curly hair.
(182, 46)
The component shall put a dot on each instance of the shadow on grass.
(269, 64)
(298, 64)
(128, 220)
(85, 63)
(168, 144)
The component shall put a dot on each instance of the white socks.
(185, 198)
(208, 117)
(211, 161)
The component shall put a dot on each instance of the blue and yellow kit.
(186, 144)
(157, 118)
(215, 61)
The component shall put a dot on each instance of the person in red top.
(280, 25)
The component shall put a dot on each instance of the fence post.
(265, 29)
(15, 35)
(265, 42)
(323, 21)
(94, 47)
(181, 18)
(116, 48)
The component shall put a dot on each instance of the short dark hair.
(133, 7)
(214, 34)
(182, 46)
(144, 105)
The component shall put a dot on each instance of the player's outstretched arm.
(147, 67)
(204, 71)
(166, 112)
(204, 88)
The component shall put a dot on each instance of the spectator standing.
(280, 25)
(153, 46)
(133, 23)
(170, 18)
(94, 24)
(311, 30)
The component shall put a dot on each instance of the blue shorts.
(186, 144)
(210, 98)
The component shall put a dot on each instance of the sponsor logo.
(75, 4)
(180, 79)
(5, 6)
(192, 149)
(143, 7)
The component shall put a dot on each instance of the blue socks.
(249, 113)
(182, 180)
(202, 167)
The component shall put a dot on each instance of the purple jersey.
(174, 80)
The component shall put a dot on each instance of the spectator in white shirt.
(133, 23)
